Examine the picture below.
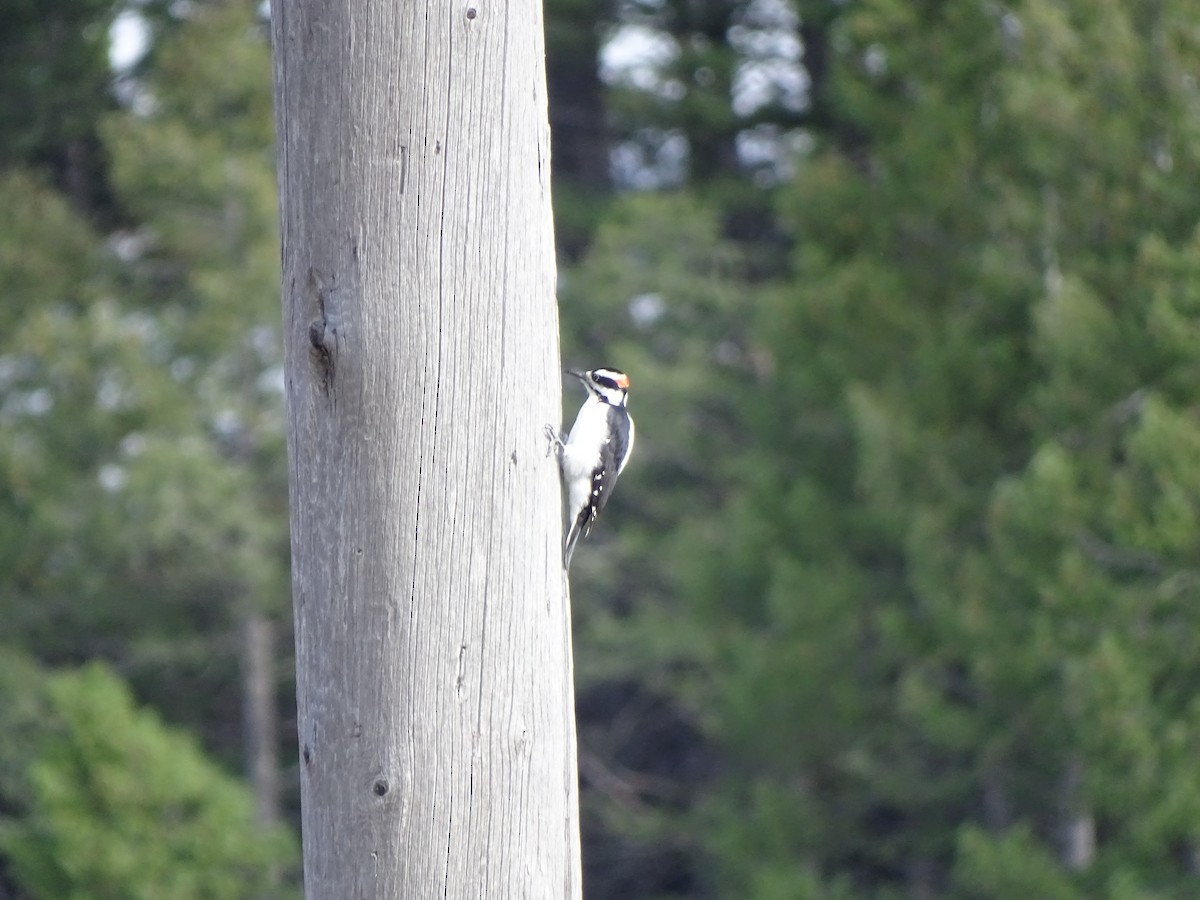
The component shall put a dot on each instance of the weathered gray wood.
(432, 629)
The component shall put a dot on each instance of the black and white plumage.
(595, 452)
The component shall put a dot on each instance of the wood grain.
(432, 618)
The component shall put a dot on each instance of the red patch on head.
(623, 381)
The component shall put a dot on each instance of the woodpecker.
(596, 450)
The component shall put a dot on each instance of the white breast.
(581, 454)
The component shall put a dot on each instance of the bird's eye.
(606, 382)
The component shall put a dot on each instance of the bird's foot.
(554, 440)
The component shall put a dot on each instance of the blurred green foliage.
(123, 807)
(142, 473)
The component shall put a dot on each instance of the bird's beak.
(580, 375)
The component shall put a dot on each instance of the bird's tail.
(573, 538)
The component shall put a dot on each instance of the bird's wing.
(603, 479)
(624, 451)
(613, 455)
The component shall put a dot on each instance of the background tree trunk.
(1079, 825)
(432, 631)
(258, 693)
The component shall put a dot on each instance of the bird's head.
(608, 385)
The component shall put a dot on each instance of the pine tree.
(121, 806)
(915, 602)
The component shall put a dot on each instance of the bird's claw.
(553, 439)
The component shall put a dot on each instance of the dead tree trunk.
(432, 631)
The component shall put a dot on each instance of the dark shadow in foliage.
(639, 758)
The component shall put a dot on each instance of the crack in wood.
(322, 331)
